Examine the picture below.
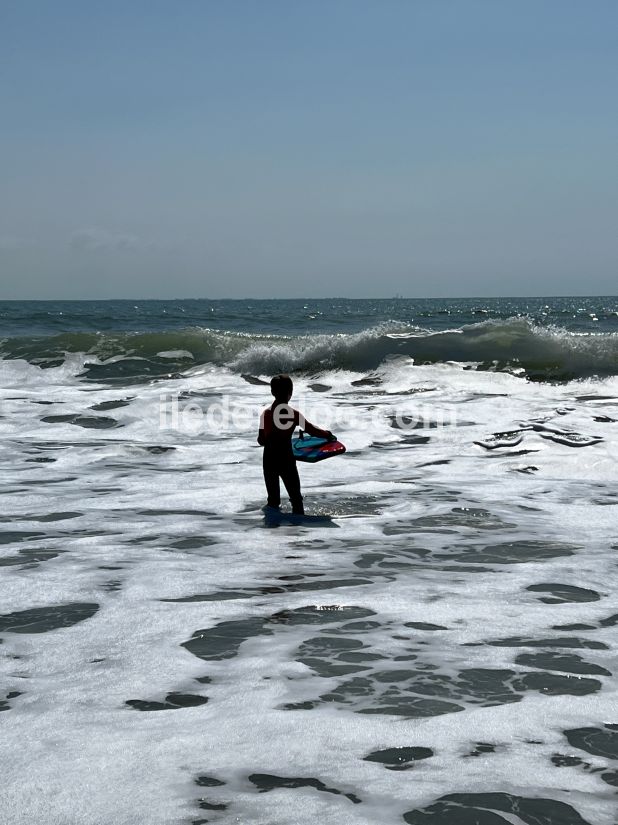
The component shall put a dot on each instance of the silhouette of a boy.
(277, 424)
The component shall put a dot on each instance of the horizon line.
(314, 298)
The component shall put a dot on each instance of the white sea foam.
(416, 544)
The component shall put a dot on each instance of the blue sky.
(219, 148)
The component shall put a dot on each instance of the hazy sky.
(230, 148)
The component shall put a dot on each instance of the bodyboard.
(312, 449)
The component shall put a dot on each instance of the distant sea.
(433, 644)
(546, 337)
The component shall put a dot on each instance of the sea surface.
(435, 643)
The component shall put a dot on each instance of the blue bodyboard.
(312, 449)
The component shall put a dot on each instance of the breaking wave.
(517, 345)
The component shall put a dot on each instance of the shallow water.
(434, 643)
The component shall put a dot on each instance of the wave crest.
(542, 353)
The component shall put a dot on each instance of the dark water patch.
(159, 512)
(555, 641)
(568, 663)
(512, 552)
(186, 394)
(173, 701)
(481, 808)
(425, 626)
(512, 454)
(527, 470)
(265, 782)
(480, 749)
(572, 439)
(271, 590)
(596, 398)
(333, 584)
(41, 460)
(43, 619)
(59, 516)
(41, 482)
(325, 614)
(418, 690)
(410, 440)
(45, 446)
(215, 596)
(412, 422)
(561, 593)
(91, 533)
(317, 387)
(297, 577)
(253, 379)
(30, 557)
(562, 761)
(358, 627)
(206, 781)
(472, 517)
(611, 778)
(570, 628)
(102, 406)
(299, 706)
(4, 703)
(596, 741)
(399, 759)
(604, 419)
(416, 693)
(224, 639)
(93, 422)
(488, 686)
(554, 684)
(499, 440)
(15, 536)
(323, 654)
(409, 707)
(207, 805)
(611, 621)
(367, 381)
(112, 586)
(158, 449)
(131, 371)
(193, 543)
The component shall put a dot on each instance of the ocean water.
(435, 643)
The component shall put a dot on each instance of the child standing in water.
(277, 424)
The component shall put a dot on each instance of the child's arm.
(310, 428)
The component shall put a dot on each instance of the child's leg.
(271, 479)
(289, 476)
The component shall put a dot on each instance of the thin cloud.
(97, 239)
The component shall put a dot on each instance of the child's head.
(282, 387)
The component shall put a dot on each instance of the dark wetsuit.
(276, 429)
